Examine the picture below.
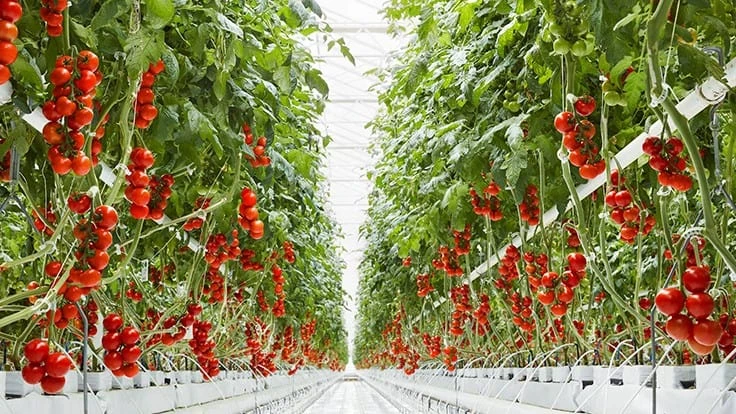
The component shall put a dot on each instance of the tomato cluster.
(278, 280)
(248, 262)
(121, 347)
(573, 240)
(248, 214)
(257, 334)
(43, 221)
(203, 347)
(196, 223)
(481, 313)
(138, 180)
(450, 358)
(507, 268)
(95, 238)
(160, 189)
(52, 14)
(61, 317)
(535, 267)
(577, 137)
(488, 206)
(259, 149)
(626, 213)
(666, 159)
(424, 285)
(460, 296)
(133, 293)
(289, 255)
(433, 344)
(529, 207)
(71, 109)
(10, 12)
(560, 291)
(521, 307)
(217, 252)
(696, 327)
(45, 367)
(145, 110)
(406, 262)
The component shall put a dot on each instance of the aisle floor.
(351, 397)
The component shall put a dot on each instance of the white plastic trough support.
(705, 95)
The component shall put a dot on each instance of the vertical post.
(85, 325)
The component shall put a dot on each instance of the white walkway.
(351, 397)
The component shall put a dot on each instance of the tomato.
(156, 213)
(129, 335)
(629, 232)
(60, 76)
(696, 279)
(566, 294)
(86, 81)
(262, 141)
(669, 301)
(584, 105)
(139, 212)
(157, 67)
(138, 178)
(679, 327)
(11, 11)
(256, 226)
(546, 297)
(61, 165)
(131, 353)
(589, 171)
(145, 96)
(73, 294)
(106, 217)
(57, 364)
(194, 309)
(69, 311)
(148, 112)
(682, 183)
(674, 146)
(248, 197)
(87, 60)
(570, 141)
(564, 122)
(258, 150)
(53, 268)
(8, 31)
(33, 373)
(142, 123)
(81, 164)
(8, 52)
(559, 309)
(699, 305)
(631, 214)
(103, 239)
(53, 133)
(86, 100)
(112, 322)
(36, 350)
(52, 385)
(111, 341)
(707, 332)
(130, 370)
(79, 203)
(90, 278)
(251, 213)
(77, 139)
(60, 91)
(65, 61)
(84, 116)
(142, 157)
(577, 158)
(623, 198)
(549, 279)
(577, 262)
(99, 260)
(113, 360)
(586, 129)
(50, 112)
(138, 195)
(148, 79)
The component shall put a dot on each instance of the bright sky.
(351, 106)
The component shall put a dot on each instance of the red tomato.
(129, 335)
(565, 294)
(679, 327)
(36, 350)
(52, 385)
(53, 268)
(564, 122)
(157, 67)
(623, 198)
(577, 262)
(145, 96)
(111, 341)
(139, 212)
(131, 353)
(60, 76)
(584, 105)
(699, 305)
(99, 260)
(669, 301)
(113, 360)
(707, 332)
(57, 364)
(8, 30)
(86, 81)
(142, 157)
(130, 370)
(53, 133)
(251, 213)
(90, 278)
(81, 164)
(256, 226)
(546, 297)
(11, 11)
(559, 309)
(106, 217)
(112, 322)
(79, 203)
(148, 79)
(586, 129)
(87, 60)
(138, 195)
(8, 52)
(577, 158)
(33, 373)
(148, 112)
(699, 348)
(696, 279)
(103, 239)
(84, 116)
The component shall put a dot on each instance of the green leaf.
(85, 34)
(219, 87)
(26, 72)
(107, 15)
(315, 81)
(229, 26)
(159, 12)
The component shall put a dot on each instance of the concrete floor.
(351, 397)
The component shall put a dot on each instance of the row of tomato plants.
(481, 120)
(172, 197)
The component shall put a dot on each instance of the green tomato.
(579, 48)
(612, 98)
(556, 29)
(561, 46)
(512, 106)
